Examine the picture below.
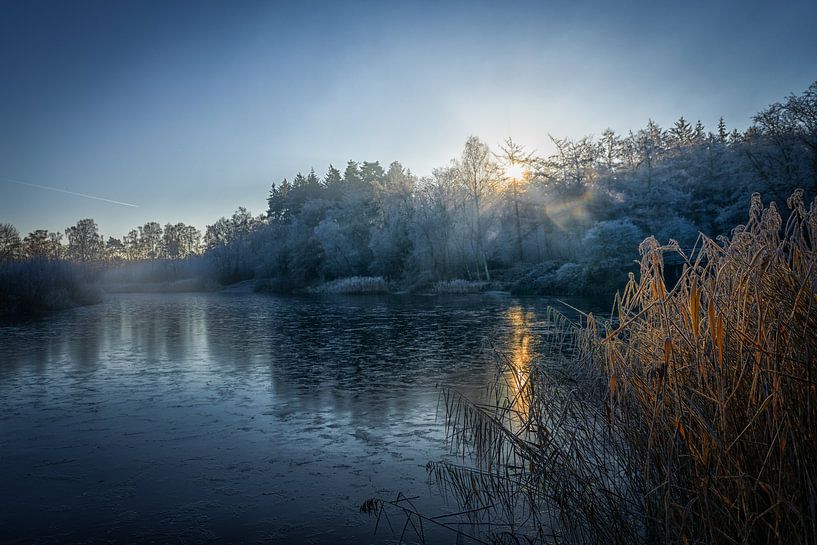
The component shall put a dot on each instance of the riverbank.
(37, 285)
(186, 285)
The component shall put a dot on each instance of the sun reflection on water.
(518, 363)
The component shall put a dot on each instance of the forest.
(504, 218)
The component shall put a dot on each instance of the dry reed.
(690, 416)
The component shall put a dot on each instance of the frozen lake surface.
(218, 418)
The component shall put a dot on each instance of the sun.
(515, 171)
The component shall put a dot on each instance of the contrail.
(58, 190)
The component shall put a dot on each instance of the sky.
(183, 111)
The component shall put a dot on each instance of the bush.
(352, 285)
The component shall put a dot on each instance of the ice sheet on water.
(214, 418)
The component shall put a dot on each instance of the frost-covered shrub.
(608, 250)
(354, 284)
(680, 229)
(460, 286)
(568, 279)
(605, 253)
(529, 281)
(611, 243)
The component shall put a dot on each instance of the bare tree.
(479, 175)
(37, 244)
(84, 241)
(9, 242)
(150, 240)
(575, 161)
(57, 250)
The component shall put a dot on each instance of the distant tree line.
(84, 243)
(567, 222)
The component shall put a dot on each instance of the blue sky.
(190, 109)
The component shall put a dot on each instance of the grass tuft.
(460, 286)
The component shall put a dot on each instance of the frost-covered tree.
(130, 241)
(218, 234)
(469, 219)
(650, 147)
(438, 203)
(680, 135)
(723, 133)
(371, 173)
(351, 176)
(278, 205)
(390, 239)
(479, 175)
(610, 155)
(516, 161)
(333, 183)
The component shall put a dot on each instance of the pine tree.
(699, 135)
(723, 133)
(278, 202)
(351, 176)
(372, 173)
(681, 134)
(333, 184)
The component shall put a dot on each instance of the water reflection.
(236, 416)
(518, 363)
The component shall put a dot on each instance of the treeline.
(84, 243)
(39, 272)
(568, 223)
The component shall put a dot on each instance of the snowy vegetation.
(354, 284)
(567, 223)
(460, 286)
(570, 222)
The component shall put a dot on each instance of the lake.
(216, 418)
